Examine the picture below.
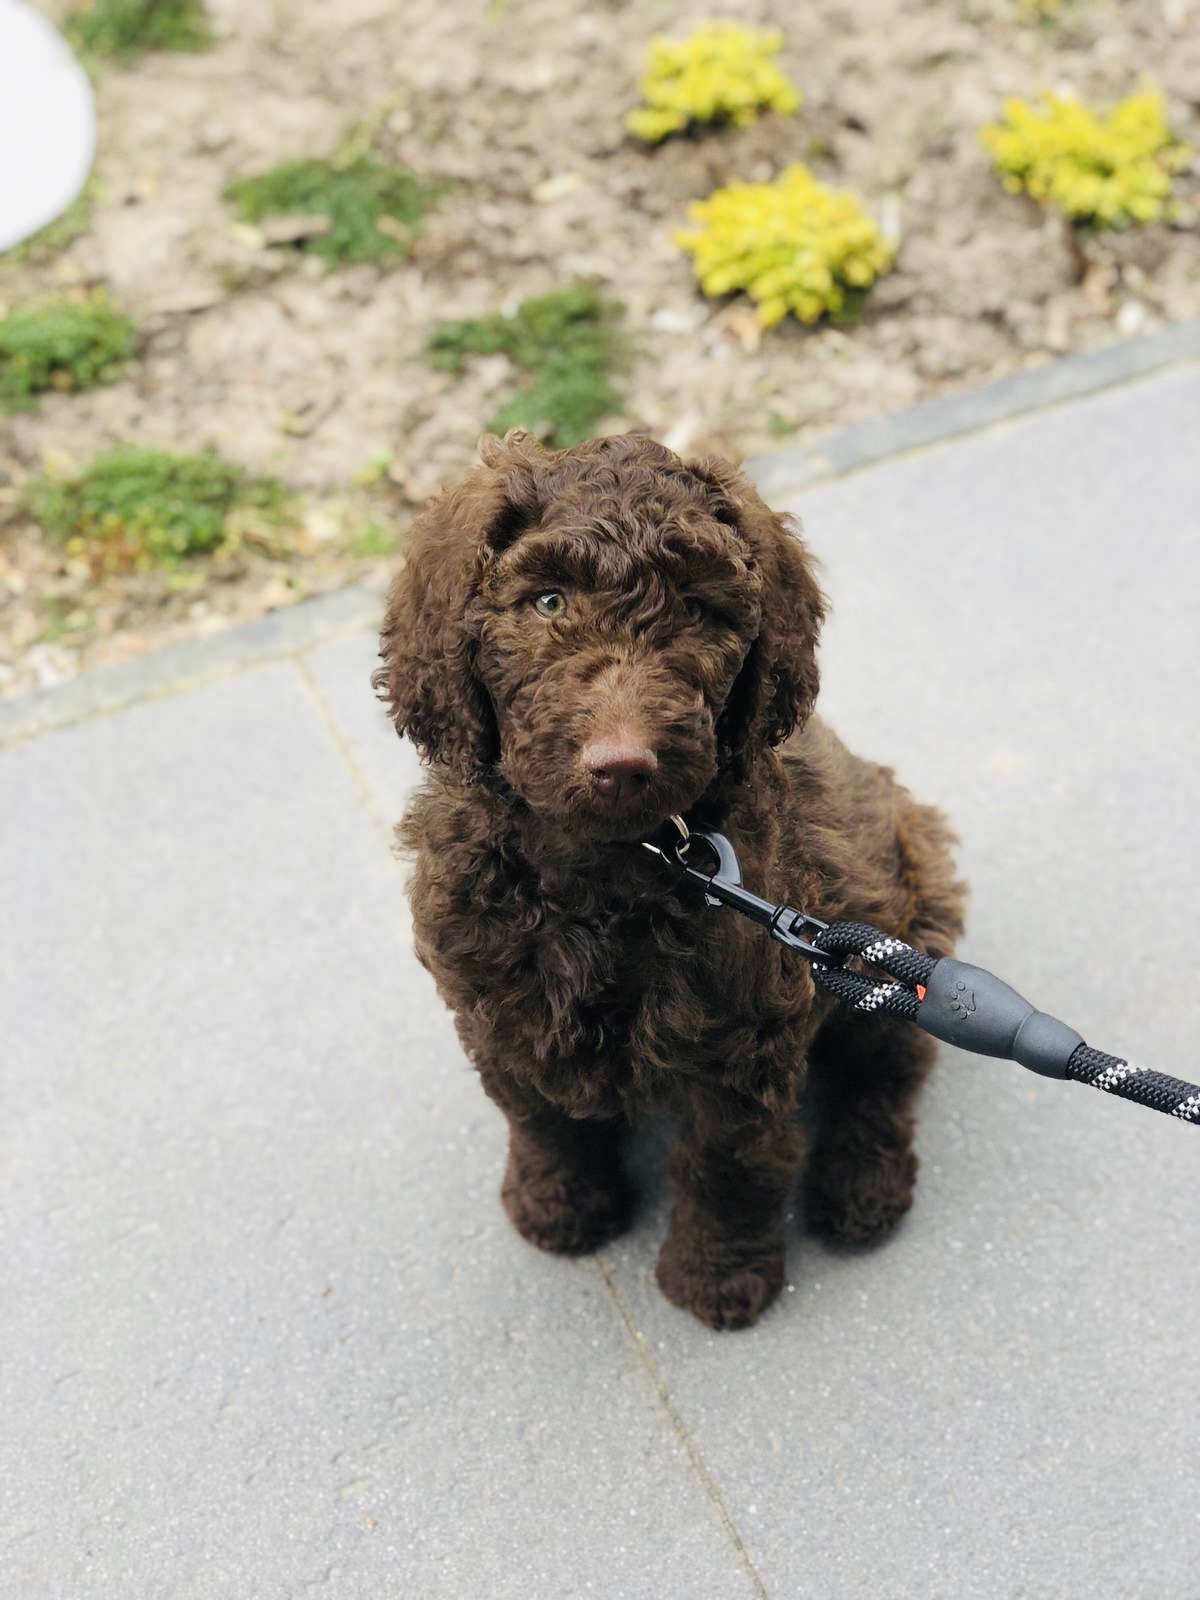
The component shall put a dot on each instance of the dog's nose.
(620, 770)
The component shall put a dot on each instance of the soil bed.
(319, 376)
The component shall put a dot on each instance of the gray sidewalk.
(266, 1330)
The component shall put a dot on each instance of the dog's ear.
(776, 688)
(428, 680)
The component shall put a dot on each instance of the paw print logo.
(962, 1001)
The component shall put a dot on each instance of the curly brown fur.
(587, 989)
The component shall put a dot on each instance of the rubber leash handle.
(970, 1007)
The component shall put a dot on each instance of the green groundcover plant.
(374, 210)
(60, 344)
(126, 29)
(569, 343)
(137, 508)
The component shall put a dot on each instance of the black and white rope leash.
(964, 1005)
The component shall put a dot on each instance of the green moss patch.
(125, 29)
(373, 541)
(61, 344)
(570, 343)
(134, 508)
(373, 210)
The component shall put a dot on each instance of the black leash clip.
(962, 1004)
(722, 884)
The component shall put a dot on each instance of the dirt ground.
(519, 109)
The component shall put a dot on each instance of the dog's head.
(607, 628)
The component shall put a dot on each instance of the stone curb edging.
(196, 661)
(782, 473)
(785, 472)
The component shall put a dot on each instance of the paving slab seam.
(662, 1393)
(699, 1465)
(316, 695)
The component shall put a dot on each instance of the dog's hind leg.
(865, 1070)
(864, 1075)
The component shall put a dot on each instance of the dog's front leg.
(564, 1187)
(734, 1165)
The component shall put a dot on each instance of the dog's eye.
(550, 604)
(694, 610)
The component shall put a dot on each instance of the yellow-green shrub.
(1108, 171)
(792, 245)
(720, 73)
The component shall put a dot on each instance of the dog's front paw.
(564, 1212)
(856, 1198)
(723, 1287)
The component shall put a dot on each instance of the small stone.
(247, 235)
(891, 219)
(213, 137)
(1134, 278)
(492, 372)
(1097, 286)
(49, 665)
(295, 229)
(184, 299)
(682, 435)
(677, 319)
(558, 187)
(321, 525)
(744, 327)
(589, 266)
(276, 594)
(1058, 327)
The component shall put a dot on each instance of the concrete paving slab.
(1005, 1400)
(266, 1332)
(950, 1415)
(1016, 626)
(269, 1333)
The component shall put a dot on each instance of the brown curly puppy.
(583, 642)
